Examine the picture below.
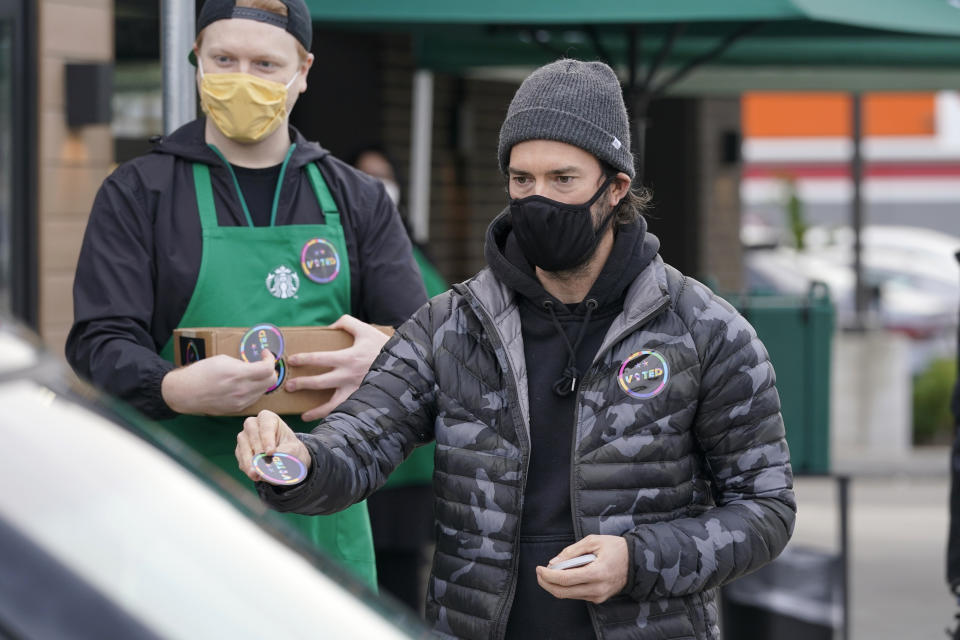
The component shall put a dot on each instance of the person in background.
(401, 512)
(587, 401)
(211, 229)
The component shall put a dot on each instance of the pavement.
(898, 518)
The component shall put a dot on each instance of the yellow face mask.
(244, 107)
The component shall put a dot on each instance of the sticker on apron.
(260, 338)
(320, 261)
(280, 468)
(644, 374)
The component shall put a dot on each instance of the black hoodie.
(141, 256)
(547, 522)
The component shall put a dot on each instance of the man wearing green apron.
(217, 227)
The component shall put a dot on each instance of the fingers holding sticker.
(279, 468)
(263, 337)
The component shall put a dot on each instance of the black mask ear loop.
(598, 233)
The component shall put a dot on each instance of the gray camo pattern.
(697, 479)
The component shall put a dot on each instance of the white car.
(112, 528)
(911, 275)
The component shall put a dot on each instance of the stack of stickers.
(279, 468)
(264, 337)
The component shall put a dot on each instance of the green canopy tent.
(926, 17)
(694, 46)
(862, 44)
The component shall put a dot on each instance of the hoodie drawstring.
(567, 383)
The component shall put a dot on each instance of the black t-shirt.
(258, 187)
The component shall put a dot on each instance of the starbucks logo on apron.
(283, 282)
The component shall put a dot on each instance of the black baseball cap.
(297, 21)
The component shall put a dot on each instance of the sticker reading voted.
(644, 374)
(320, 261)
(280, 468)
(263, 337)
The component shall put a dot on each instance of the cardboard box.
(191, 344)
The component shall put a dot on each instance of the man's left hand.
(596, 582)
(348, 366)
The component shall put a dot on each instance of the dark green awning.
(932, 17)
(885, 35)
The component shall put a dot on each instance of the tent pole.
(716, 52)
(420, 147)
(856, 174)
(178, 19)
(637, 97)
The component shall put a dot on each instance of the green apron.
(251, 275)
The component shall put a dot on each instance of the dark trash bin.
(798, 596)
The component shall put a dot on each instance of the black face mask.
(556, 236)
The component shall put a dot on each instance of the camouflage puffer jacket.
(679, 448)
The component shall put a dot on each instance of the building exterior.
(361, 92)
(911, 150)
(55, 169)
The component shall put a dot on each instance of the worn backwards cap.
(570, 101)
(297, 21)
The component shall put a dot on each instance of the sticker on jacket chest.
(644, 374)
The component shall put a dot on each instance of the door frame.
(24, 245)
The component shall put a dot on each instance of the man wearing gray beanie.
(610, 448)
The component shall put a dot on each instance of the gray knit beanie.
(570, 101)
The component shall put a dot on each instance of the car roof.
(134, 514)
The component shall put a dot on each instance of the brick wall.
(72, 163)
(467, 190)
(719, 194)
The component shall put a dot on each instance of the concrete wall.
(870, 398)
(72, 163)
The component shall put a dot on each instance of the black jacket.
(141, 255)
(696, 476)
(546, 525)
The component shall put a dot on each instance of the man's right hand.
(268, 434)
(218, 385)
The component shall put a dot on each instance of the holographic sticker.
(192, 350)
(259, 338)
(320, 261)
(281, 370)
(644, 374)
(280, 468)
(192, 354)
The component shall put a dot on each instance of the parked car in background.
(911, 275)
(112, 528)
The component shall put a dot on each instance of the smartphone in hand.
(572, 563)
